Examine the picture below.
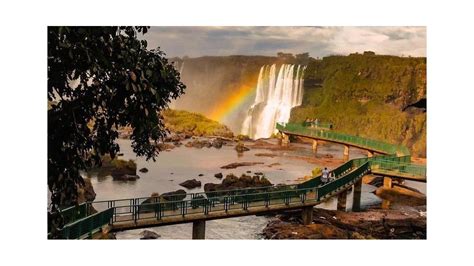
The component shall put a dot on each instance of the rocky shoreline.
(404, 223)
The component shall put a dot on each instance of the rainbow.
(232, 103)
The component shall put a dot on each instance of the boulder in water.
(233, 182)
(240, 147)
(125, 177)
(179, 194)
(190, 184)
(217, 143)
(147, 234)
(143, 170)
(218, 175)
(235, 165)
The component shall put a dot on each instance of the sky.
(318, 41)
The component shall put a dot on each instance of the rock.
(240, 147)
(233, 182)
(218, 175)
(235, 165)
(147, 234)
(198, 144)
(329, 224)
(190, 184)
(179, 194)
(201, 175)
(146, 206)
(207, 143)
(217, 143)
(177, 143)
(273, 164)
(144, 170)
(119, 154)
(401, 195)
(284, 230)
(271, 155)
(165, 146)
(242, 137)
(258, 173)
(115, 167)
(248, 172)
(125, 177)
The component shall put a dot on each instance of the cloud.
(318, 41)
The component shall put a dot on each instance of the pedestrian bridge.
(132, 213)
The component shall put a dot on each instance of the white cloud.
(318, 41)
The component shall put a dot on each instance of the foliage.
(193, 123)
(365, 95)
(316, 171)
(104, 77)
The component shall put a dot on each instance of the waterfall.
(275, 96)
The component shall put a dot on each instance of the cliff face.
(380, 97)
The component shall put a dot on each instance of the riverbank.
(402, 223)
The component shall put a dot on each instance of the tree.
(101, 79)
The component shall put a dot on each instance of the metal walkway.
(132, 213)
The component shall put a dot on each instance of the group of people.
(311, 122)
(327, 176)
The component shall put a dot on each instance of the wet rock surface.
(235, 165)
(125, 177)
(147, 234)
(240, 147)
(190, 184)
(233, 182)
(406, 223)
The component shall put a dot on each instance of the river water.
(183, 163)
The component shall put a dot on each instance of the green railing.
(398, 167)
(397, 158)
(369, 144)
(134, 209)
(319, 125)
(343, 181)
(85, 227)
(72, 214)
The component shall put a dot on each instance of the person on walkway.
(325, 176)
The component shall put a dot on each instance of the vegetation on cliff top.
(195, 124)
(369, 96)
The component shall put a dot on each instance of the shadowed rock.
(190, 184)
(235, 165)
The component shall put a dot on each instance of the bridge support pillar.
(370, 154)
(285, 140)
(307, 215)
(357, 195)
(341, 201)
(345, 157)
(315, 146)
(387, 182)
(199, 229)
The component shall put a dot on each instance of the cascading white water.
(275, 97)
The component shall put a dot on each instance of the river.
(183, 163)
